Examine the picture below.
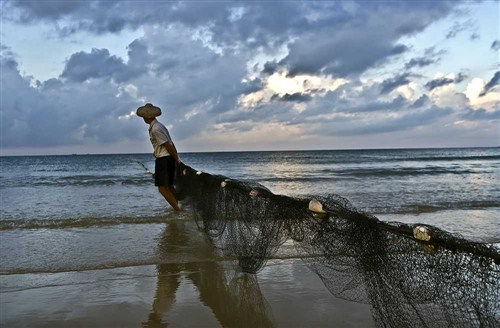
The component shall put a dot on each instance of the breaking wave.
(83, 222)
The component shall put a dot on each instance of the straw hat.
(148, 111)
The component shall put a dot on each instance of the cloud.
(420, 102)
(420, 62)
(270, 68)
(39, 10)
(70, 17)
(439, 82)
(475, 36)
(245, 134)
(431, 56)
(226, 72)
(395, 104)
(327, 37)
(340, 54)
(495, 45)
(490, 100)
(361, 39)
(481, 114)
(226, 23)
(442, 81)
(491, 84)
(82, 66)
(373, 125)
(294, 97)
(55, 113)
(391, 84)
(8, 58)
(91, 101)
(459, 27)
(99, 63)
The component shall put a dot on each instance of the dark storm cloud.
(50, 10)
(363, 40)
(192, 84)
(390, 84)
(436, 83)
(98, 63)
(139, 60)
(439, 82)
(491, 83)
(270, 68)
(331, 37)
(343, 54)
(96, 16)
(251, 86)
(55, 113)
(256, 24)
(90, 101)
(197, 87)
(495, 45)
(294, 97)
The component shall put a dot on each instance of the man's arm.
(172, 151)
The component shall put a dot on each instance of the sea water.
(75, 212)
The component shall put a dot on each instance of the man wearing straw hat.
(164, 151)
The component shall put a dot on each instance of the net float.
(316, 206)
(421, 233)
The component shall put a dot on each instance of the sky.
(257, 75)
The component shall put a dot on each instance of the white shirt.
(158, 134)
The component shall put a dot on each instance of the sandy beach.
(200, 289)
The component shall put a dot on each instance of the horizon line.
(255, 151)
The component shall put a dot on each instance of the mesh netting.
(411, 275)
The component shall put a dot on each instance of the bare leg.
(169, 197)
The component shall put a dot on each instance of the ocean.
(75, 213)
(457, 189)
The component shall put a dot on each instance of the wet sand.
(200, 289)
(284, 294)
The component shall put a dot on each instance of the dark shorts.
(164, 171)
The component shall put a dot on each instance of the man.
(164, 151)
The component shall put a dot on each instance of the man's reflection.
(234, 298)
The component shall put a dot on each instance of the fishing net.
(411, 275)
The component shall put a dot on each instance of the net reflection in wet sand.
(233, 297)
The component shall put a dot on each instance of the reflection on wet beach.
(234, 298)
